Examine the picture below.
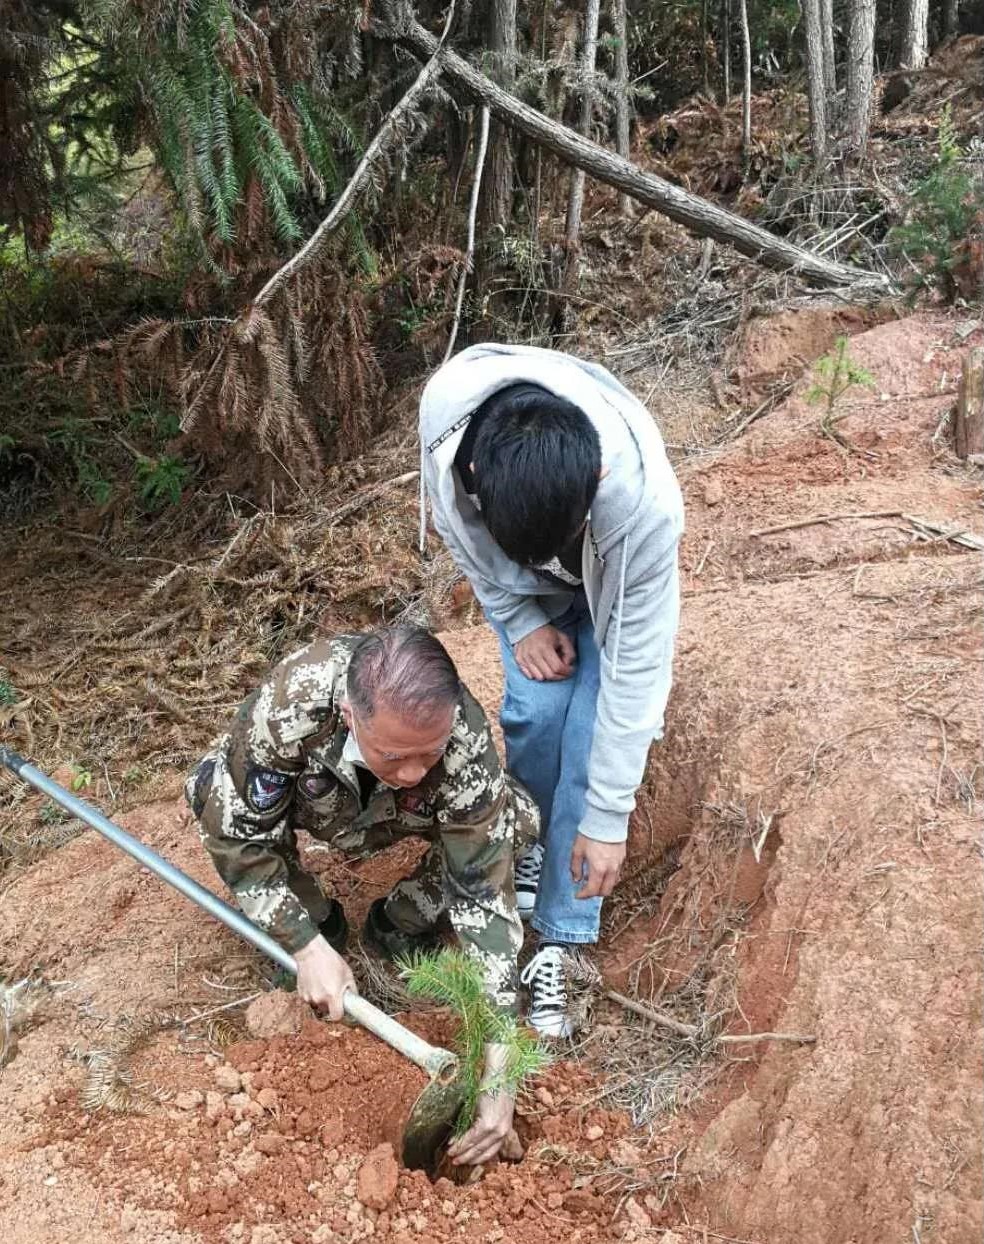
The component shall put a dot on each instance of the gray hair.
(405, 668)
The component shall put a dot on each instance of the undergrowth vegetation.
(162, 159)
(943, 235)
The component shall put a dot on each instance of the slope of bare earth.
(805, 858)
(820, 775)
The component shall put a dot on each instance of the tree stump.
(968, 422)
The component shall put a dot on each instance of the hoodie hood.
(630, 440)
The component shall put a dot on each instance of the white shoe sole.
(552, 1026)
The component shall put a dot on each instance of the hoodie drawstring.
(422, 503)
(619, 605)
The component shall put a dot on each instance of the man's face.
(400, 752)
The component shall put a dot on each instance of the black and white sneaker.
(546, 978)
(528, 880)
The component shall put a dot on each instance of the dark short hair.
(405, 668)
(537, 461)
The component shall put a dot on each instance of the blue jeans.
(548, 727)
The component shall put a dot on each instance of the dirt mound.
(779, 347)
(804, 858)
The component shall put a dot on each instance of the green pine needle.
(455, 980)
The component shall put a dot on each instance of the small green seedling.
(833, 375)
(8, 692)
(52, 814)
(161, 481)
(454, 980)
(81, 778)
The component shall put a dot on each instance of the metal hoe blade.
(433, 1115)
(431, 1123)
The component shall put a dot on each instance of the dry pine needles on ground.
(151, 643)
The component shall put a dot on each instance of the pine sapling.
(833, 375)
(454, 980)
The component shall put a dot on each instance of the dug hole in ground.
(805, 859)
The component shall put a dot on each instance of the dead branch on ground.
(691, 1030)
(924, 527)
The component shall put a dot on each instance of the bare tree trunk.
(705, 218)
(829, 60)
(746, 98)
(816, 88)
(860, 74)
(704, 35)
(951, 18)
(726, 47)
(575, 198)
(969, 414)
(622, 140)
(914, 34)
(496, 203)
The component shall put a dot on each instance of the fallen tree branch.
(650, 1013)
(923, 526)
(372, 493)
(691, 1030)
(399, 25)
(816, 519)
(740, 1038)
(936, 531)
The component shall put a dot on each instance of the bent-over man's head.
(402, 692)
(536, 463)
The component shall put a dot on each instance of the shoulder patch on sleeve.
(267, 789)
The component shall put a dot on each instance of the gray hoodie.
(629, 561)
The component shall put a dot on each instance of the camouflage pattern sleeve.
(485, 818)
(243, 804)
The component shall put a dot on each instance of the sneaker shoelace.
(547, 980)
(528, 868)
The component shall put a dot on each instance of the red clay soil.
(264, 1145)
(808, 837)
(828, 694)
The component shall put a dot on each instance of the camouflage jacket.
(281, 767)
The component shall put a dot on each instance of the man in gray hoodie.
(550, 485)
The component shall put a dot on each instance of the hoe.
(435, 1110)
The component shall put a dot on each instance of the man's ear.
(346, 714)
(603, 473)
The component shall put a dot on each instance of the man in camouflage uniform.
(362, 741)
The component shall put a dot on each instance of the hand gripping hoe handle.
(440, 1064)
